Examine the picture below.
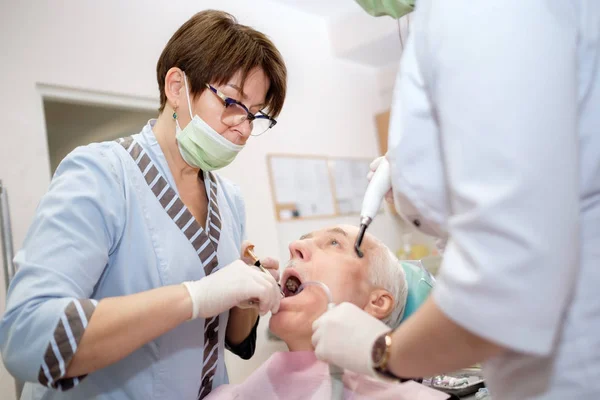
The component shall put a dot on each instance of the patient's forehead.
(348, 231)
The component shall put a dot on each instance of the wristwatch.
(380, 356)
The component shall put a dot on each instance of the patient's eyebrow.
(338, 230)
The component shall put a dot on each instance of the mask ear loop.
(187, 93)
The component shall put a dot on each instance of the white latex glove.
(234, 285)
(440, 244)
(345, 335)
(389, 196)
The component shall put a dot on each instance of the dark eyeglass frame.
(250, 117)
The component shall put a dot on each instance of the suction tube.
(336, 373)
(322, 286)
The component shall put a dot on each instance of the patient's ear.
(381, 304)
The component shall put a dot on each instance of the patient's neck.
(299, 344)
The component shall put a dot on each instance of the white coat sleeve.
(76, 226)
(503, 83)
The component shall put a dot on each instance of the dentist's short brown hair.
(211, 47)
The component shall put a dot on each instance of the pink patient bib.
(300, 376)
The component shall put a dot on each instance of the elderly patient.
(376, 283)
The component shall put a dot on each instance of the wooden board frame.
(278, 207)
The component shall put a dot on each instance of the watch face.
(378, 351)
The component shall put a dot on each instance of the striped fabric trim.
(214, 217)
(204, 242)
(211, 356)
(63, 345)
(211, 326)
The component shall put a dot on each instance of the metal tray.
(474, 376)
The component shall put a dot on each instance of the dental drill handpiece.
(380, 184)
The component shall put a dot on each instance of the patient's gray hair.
(387, 272)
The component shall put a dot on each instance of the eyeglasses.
(235, 113)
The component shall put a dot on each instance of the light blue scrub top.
(101, 232)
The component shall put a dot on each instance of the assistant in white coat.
(495, 140)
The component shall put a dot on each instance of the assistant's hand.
(233, 285)
(345, 335)
(389, 196)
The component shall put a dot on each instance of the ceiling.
(324, 8)
(355, 35)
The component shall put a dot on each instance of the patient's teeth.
(292, 284)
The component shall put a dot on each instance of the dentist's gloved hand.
(389, 196)
(236, 284)
(345, 335)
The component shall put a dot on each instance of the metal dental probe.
(250, 253)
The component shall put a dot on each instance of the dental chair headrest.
(420, 282)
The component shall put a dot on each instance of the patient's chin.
(290, 325)
(295, 317)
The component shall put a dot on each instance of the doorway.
(70, 124)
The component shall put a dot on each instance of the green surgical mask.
(393, 8)
(201, 146)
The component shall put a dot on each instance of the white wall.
(386, 78)
(112, 46)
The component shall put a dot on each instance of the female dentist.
(130, 282)
(495, 143)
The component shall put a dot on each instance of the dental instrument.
(380, 184)
(336, 373)
(250, 254)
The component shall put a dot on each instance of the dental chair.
(420, 282)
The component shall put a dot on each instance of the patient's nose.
(299, 250)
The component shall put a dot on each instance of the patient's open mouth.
(292, 284)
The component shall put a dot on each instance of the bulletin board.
(350, 182)
(308, 187)
(301, 187)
